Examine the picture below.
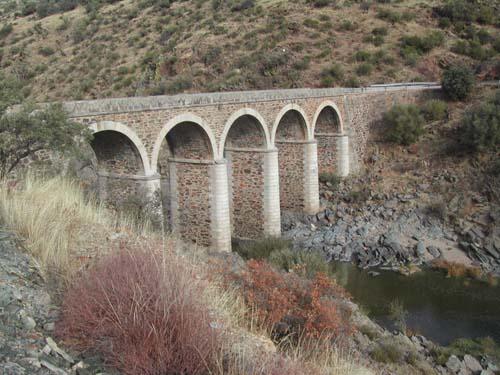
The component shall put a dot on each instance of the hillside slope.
(131, 48)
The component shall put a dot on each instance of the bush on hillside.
(294, 306)
(468, 11)
(6, 30)
(334, 73)
(472, 48)
(458, 82)
(435, 110)
(480, 129)
(413, 46)
(364, 69)
(403, 124)
(243, 5)
(261, 249)
(306, 264)
(322, 3)
(332, 178)
(143, 311)
(423, 44)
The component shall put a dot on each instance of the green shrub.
(480, 129)
(359, 195)
(179, 84)
(389, 16)
(404, 124)
(79, 32)
(496, 45)
(387, 352)
(243, 5)
(321, 3)
(331, 178)
(313, 24)
(352, 82)
(270, 62)
(308, 264)
(476, 347)
(6, 30)
(261, 249)
(434, 110)
(334, 73)
(380, 31)
(398, 314)
(423, 44)
(472, 48)
(458, 82)
(469, 11)
(364, 69)
(46, 51)
(347, 25)
(362, 55)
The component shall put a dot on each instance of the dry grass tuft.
(58, 223)
(454, 269)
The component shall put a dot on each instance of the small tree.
(29, 129)
(458, 82)
(480, 128)
(404, 124)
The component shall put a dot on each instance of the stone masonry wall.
(246, 189)
(121, 192)
(327, 154)
(291, 157)
(193, 202)
(358, 112)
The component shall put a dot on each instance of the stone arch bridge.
(227, 164)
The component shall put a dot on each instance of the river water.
(440, 308)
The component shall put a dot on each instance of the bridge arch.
(178, 120)
(291, 138)
(326, 109)
(291, 108)
(184, 155)
(128, 138)
(247, 113)
(333, 143)
(252, 170)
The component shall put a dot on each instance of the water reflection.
(440, 308)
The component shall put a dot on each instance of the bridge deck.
(135, 104)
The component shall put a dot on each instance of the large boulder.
(472, 364)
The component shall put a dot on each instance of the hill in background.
(74, 49)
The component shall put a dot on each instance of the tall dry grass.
(56, 222)
(60, 226)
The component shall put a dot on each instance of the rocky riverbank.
(396, 231)
(28, 345)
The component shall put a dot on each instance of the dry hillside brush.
(87, 49)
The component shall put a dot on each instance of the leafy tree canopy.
(27, 129)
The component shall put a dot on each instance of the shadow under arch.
(127, 135)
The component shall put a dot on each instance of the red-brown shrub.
(307, 308)
(144, 312)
